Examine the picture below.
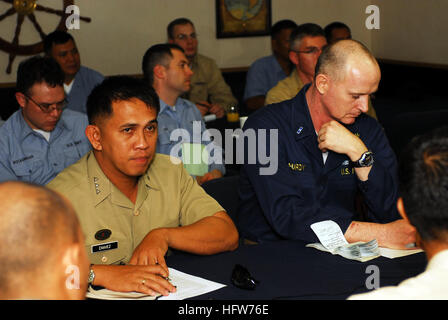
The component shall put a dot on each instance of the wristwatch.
(91, 275)
(366, 160)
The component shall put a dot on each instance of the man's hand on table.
(146, 279)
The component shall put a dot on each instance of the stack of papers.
(187, 286)
(332, 240)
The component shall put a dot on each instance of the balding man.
(328, 151)
(42, 248)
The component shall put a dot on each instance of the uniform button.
(136, 212)
(104, 259)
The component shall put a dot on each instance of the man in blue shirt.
(41, 139)
(266, 72)
(165, 67)
(79, 80)
(328, 151)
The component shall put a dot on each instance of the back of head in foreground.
(423, 174)
(42, 249)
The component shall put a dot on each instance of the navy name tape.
(104, 246)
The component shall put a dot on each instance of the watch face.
(366, 160)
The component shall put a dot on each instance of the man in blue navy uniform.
(79, 80)
(42, 138)
(328, 150)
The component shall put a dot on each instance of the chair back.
(225, 191)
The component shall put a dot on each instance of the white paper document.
(332, 240)
(330, 234)
(187, 286)
(397, 253)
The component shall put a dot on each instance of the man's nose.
(364, 103)
(142, 142)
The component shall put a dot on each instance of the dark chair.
(225, 191)
(407, 125)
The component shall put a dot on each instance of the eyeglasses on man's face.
(49, 107)
(311, 50)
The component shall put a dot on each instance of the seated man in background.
(266, 72)
(208, 91)
(328, 150)
(79, 80)
(41, 138)
(42, 246)
(165, 68)
(306, 43)
(423, 175)
(137, 201)
(336, 31)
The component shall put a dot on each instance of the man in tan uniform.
(209, 91)
(134, 204)
(306, 43)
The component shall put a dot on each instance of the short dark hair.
(157, 54)
(176, 22)
(281, 25)
(334, 25)
(38, 69)
(56, 37)
(119, 88)
(423, 176)
(305, 30)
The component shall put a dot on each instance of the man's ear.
(21, 99)
(74, 268)
(93, 133)
(322, 83)
(293, 57)
(400, 207)
(159, 71)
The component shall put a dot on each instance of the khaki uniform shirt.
(208, 84)
(113, 226)
(285, 89)
(289, 87)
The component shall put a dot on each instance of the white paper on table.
(189, 286)
(329, 234)
(397, 253)
(106, 294)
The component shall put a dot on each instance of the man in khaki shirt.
(209, 91)
(133, 204)
(306, 43)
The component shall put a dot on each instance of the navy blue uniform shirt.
(304, 190)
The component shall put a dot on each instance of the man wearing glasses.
(306, 43)
(209, 91)
(41, 139)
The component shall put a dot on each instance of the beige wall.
(412, 30)
(121, 31)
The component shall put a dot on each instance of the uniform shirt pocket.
(28, 170)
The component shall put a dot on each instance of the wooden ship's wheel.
(25, 10)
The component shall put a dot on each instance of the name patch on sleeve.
(104, 246)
